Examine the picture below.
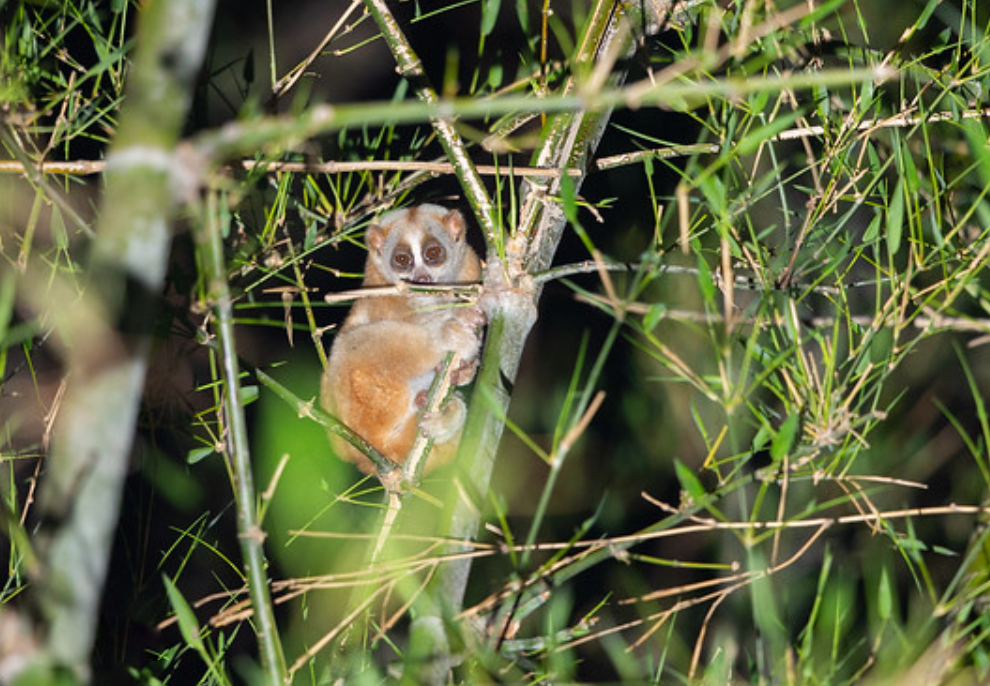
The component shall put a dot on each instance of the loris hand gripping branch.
(388, 349)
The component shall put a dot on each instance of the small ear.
(374, 236)
(456, 226)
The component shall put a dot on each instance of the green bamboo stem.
(411, 68)
(309, 409)
(109, 327)
(570, 138)
(279, 133)
(250, 534)
(568, 143)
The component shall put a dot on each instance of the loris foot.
(464, 373)
(472, 315)
(473, 319)
(445, 424)
(462, 338)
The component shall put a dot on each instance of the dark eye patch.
(402, 259)
(434, 254)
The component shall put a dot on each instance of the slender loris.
(388, 349)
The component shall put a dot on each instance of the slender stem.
(411, 68)
(561, 452)
(568, 144)
(279, 133)
(307, 408)
(35, 171)
(249, 531)
(570, 138)
(272, 67)
(438, 393)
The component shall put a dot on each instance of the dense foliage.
(747, 439)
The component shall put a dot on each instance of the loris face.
(423, 244)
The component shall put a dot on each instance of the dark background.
(173, 507)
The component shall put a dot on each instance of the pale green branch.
(250, 534)
(79, 499)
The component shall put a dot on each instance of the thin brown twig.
(934, 321)
(903, 120)
(746, 579)
(395, 165)
(326, 639)
(578, 429)
(401, 611)
(413, 538)
(289, 80)
(700, 641)
(402, 288)
(391, 571)
(587, 547)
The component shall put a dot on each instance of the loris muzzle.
(389, 348)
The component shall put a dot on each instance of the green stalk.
(238, 448)
(276, 134)
(569, 140)
(109, 327)
(411, 68)
(560, 456)
(328, 422)
(571, 137)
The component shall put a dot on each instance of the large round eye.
(434, 254)
(402, 259)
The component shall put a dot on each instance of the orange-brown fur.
(387, 349)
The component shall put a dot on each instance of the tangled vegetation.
(730, 424)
